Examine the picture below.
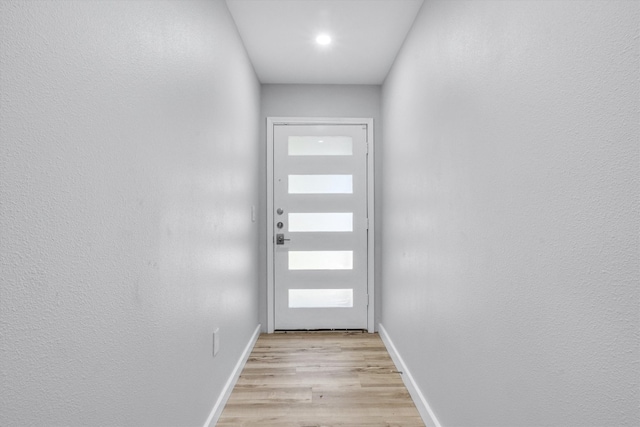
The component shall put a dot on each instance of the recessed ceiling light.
(323, 39)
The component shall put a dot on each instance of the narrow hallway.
(305, 379)
(135, 227)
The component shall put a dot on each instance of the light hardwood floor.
(313, 379)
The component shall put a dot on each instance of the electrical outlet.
(216, 341)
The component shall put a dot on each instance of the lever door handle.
(280, 239)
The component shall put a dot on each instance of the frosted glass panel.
(320, 260)
(320, 184)
(318, 222)
(320, 298)
(320, 146)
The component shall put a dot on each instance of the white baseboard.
(231, 382)
(424, 409)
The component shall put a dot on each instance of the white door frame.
(271, 122)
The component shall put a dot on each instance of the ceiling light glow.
(323, 39)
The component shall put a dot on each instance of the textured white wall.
(128, 169)
(510, 241)
(319, 101)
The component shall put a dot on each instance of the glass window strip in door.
(321, 222)
(320, 146)
(320, 260)
(320, 184)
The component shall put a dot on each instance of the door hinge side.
(367, 223)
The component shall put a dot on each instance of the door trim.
(368, 122)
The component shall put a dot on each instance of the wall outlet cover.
(216, 341)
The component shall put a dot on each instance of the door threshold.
(295, 331)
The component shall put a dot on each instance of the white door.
(320, 226)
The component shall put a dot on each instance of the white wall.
(511, 160)
(128, 170)
(360, 101)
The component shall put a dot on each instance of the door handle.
(280, 239)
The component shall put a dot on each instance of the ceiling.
(366, 36)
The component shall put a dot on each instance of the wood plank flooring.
(314, 379)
